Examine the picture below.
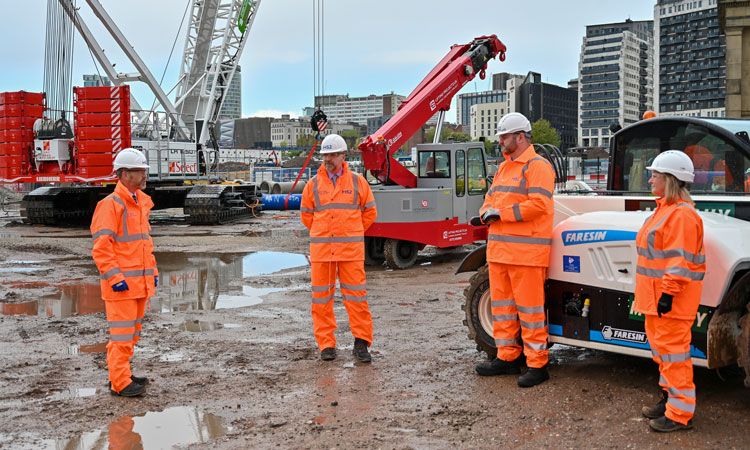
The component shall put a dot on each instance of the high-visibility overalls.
(518, 249)
(337, 217)
(672, 260)
(123, 251)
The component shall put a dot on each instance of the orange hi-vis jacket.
(671, 259)
(521, 194)
(123, 249)
(337, 216)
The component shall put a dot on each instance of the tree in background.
(543, 133)
(351, 137)
(283, 144)
(446, 135)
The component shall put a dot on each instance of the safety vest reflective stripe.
(681, 271)
(324, 300)
(121, 323)
(531, 309)
(323, 288)
(502, 342)
(502, 303)
(321, 207)
(352, 298)
(520, 239)
(369, 205)
(534, 346)
(540, 190)
(652, 254)
(120, 337)
(533, 325)
(137, 333)
(128, 273)
(306, 210)
(103, 232)
(679, 404)
(517, 213)
(675, 357)
(674, 391)
(354, 287)
(504, 188)
(505, 318)
(333, 239)
(125, 237)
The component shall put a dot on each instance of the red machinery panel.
(103, 106)
(29, 98)
(95, 171)
(22, 135)
(14, 123)
(101, 120)
(95, 159)
(21, 110)
(100, 146)
(13, 148)
(95, 133)
(101, 92)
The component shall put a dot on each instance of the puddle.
(72, 394)
(21, 269)
(187, 282)
(199, 325)
(178, 426)
(17, 261)
(172, 357)
(9, 235)
(280, 233)
(91, 348)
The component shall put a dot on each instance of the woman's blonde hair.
(676, 190)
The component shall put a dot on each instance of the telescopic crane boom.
(434, 94)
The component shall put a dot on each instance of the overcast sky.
(371, 47)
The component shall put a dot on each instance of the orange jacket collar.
(526, 155)
(322, 171)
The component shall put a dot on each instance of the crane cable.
(318, 122)
(58, 59)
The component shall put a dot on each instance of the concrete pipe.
(275, 189)
(286, 187)
(265, 187)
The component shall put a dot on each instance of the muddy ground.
(229, 347)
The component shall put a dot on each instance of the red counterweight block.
(18, 112)
(102, 127)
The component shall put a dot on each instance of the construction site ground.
(229, 348)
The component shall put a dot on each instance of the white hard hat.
(674, 162)
(513, 123)
(333, 143)
(747, 172)
(130, 158)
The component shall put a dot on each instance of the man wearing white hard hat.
(123, 252)
(338, 207)
(519, 211)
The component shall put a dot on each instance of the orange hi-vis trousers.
(670, 348)
(353, 285)
(517, 294)
(125, 320)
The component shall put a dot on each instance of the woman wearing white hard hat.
(668, 284)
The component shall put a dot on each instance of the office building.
(537, 100)
(615, 78)
(96, 80)
(734, 24)
(484, 119)
(690, 58)
(464, 103)
(288, 130)
(232, 107)
(342, 108)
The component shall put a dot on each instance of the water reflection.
(187, 282)
(179, 426)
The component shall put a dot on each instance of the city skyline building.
(232, 107)
(464, 103)
(94, 80)
(288, 130)
(690, 58)
(342, 108)
(615, 78)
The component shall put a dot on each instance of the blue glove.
(121, 286)
(156, 281)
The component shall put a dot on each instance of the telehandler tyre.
(478, 310)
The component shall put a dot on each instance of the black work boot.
(533, 376)
(131, 390)
(360, 350)
(328, 354)
(140, 380)
(666, 425)
(658, 410)
(498, 367)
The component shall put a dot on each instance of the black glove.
(476, 221)
(489, 215)
(665, 304)
(120, 287)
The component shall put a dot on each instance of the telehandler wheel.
(374, 251)
(400, 254)
(478, 310)
(743, 342)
